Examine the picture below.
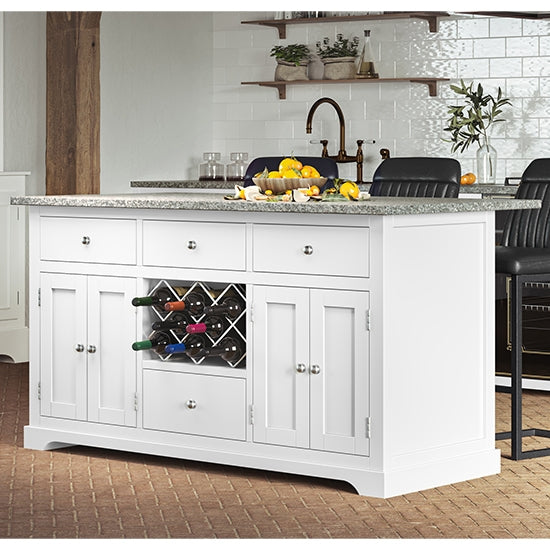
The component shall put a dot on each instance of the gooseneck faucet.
(342, 156)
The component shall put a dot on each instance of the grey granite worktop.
(482, 188)
(217, 202)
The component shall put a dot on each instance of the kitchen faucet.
(342, 156)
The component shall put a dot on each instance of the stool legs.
(517, 433)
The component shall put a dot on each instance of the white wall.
(511, 53)
(156, 96)
(25, 96)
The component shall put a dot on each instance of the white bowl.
(280, 185)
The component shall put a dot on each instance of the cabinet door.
(339, 372)
(111, 360)
(63, 339)
(281, 344)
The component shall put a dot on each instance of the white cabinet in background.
(311, 377)
(14, 338)
(87, 365)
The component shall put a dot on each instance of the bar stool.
(524, 256)
(416, 177)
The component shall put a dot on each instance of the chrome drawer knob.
(85, 240)
(308, 250)
(79, 348)
(191, 404)
(191, 245)
(300, 367)
(315, 369)
(92, 349)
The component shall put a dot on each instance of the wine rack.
(214, 294)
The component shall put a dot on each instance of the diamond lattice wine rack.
(205, 303)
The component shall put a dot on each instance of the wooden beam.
(72, 103)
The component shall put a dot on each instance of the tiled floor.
(93, 493)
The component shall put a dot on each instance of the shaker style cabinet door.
(311, 369)
(87, 326)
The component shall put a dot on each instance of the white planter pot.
(288, 71)
(339, 68)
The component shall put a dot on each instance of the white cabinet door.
(62, 333)
(111, 360)
(281, 347)
(311, 368)
(87, 326)
(339, 372)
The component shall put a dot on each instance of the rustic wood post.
(72, 103)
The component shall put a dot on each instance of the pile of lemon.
(290, 167)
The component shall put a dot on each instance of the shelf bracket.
(432, 85)
(432, 22)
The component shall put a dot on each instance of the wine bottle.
(175, 348)
(193, 303)
(229, 349)
(178, 320)
(212, 325)
(230, 306)
(195, 346)
(159, 297)
(157, 341)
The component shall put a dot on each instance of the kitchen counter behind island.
(365, 356)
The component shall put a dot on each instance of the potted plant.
(338, 58)
(469, 123)
(292, 61)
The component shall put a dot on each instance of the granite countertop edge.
(216, 202)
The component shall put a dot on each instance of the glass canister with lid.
(212, 169)
(237, 169)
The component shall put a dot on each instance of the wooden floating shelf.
(282, 84)
(280, 24)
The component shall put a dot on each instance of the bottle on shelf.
(365, 63)
(179, 320)
(195, 345)
(213, 325)
(175, 348)
(231, 306)
(159, 297)
(193, 303)
(157, 341)
(229, 349)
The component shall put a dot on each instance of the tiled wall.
(511, 53)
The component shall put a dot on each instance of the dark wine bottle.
(175, 348)
(229, 349)
(157, 341)
(194, 303)
(195, 346)
(158, 298)
(231, 306)
(212, 325)
(178, 320)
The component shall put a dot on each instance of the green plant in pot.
(338, 57)
(292, 61)
(469, 123)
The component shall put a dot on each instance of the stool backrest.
(531, 228)
(416, 177)
(325, 166)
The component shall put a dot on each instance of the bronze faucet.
(342, 156)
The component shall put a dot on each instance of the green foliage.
(470, 121)
(293, 53)
(342, 47)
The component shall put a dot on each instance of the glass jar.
(237, 169)
(212, 169)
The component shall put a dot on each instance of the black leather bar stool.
(325, 166)
(416, 177)
(524, 256)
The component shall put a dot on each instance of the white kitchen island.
(368, 334)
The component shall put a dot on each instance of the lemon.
(291, 173)
(274, 174)
(288, 163)
(349, 189)
(310, 172)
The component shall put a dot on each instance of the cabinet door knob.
(85, 240)
(315, 369)
(79, 348)
(191, 245)
(92, 349)
(308, 250)
(300, 367)
(191, 404)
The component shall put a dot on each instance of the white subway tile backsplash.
(507, 52)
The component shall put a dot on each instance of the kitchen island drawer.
(196, 404)
(312, 250)
(94, 240)
(202, 245)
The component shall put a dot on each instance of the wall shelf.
(282, 84)
(280, 24)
